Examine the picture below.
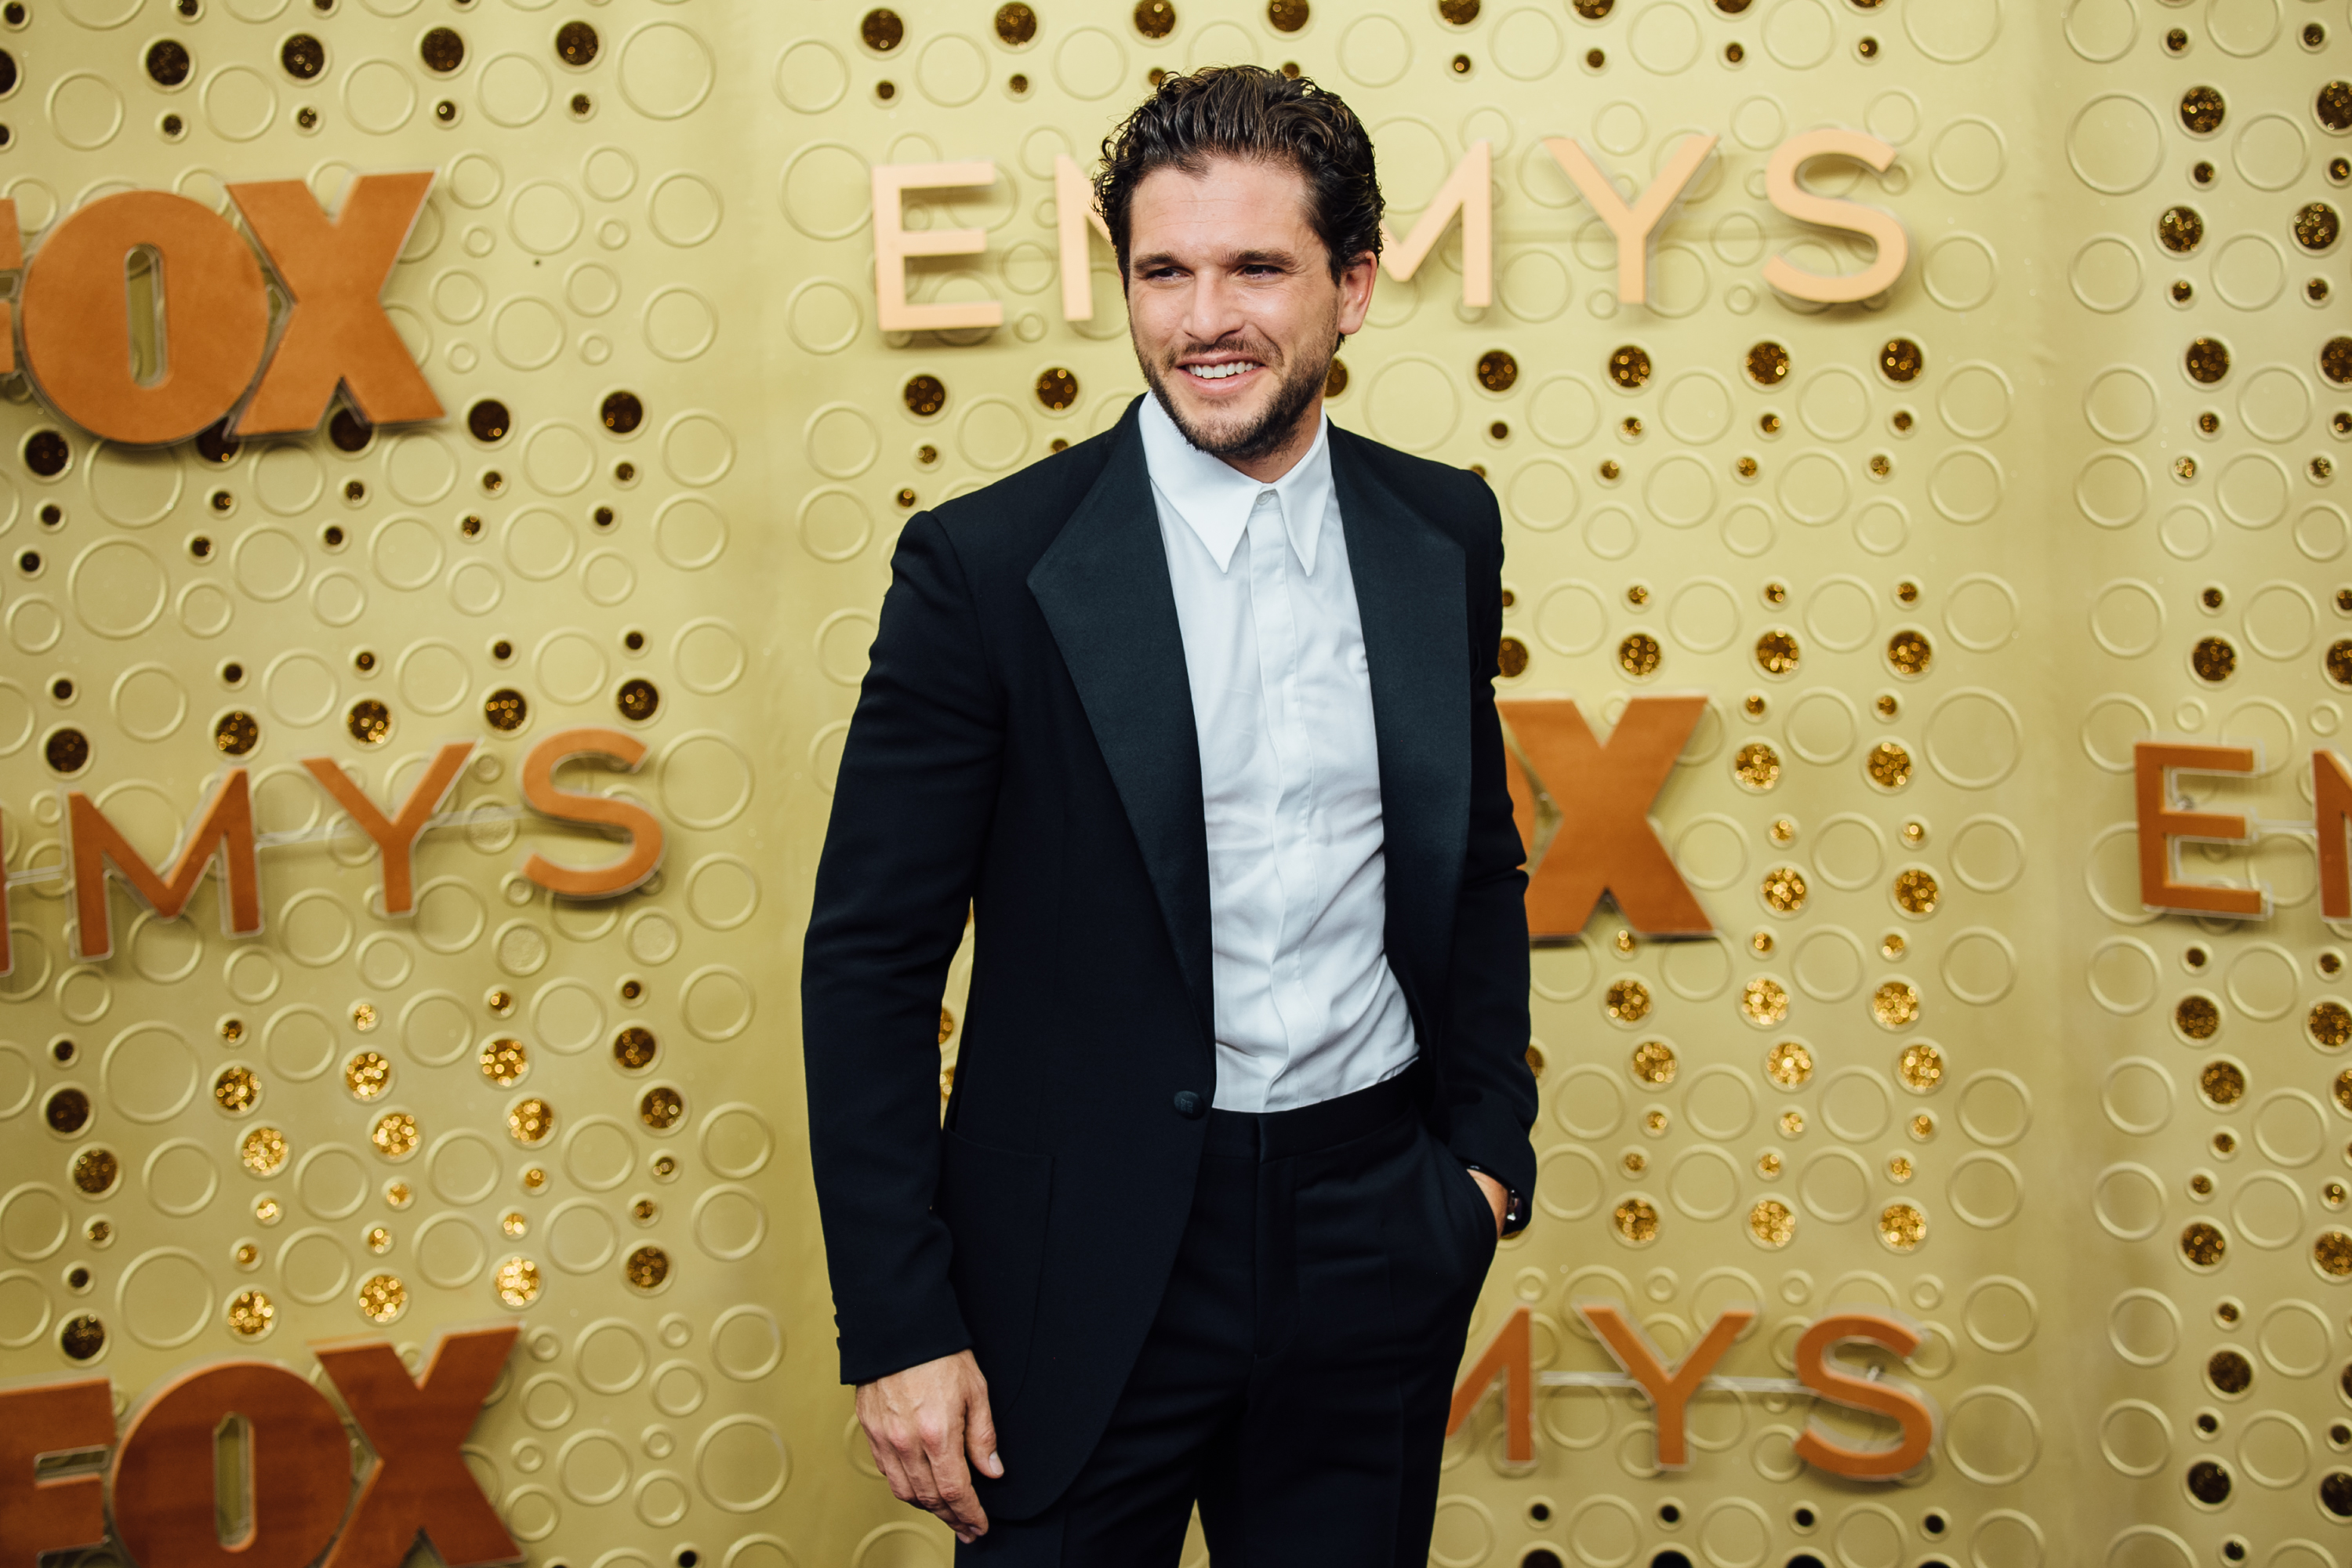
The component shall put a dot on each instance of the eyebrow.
(1260, 257)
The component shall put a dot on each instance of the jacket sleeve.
(910, 815)
(1491, 1090)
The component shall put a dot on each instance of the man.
(1197, 719)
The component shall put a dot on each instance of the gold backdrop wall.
(1998, 554)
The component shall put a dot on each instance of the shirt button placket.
(1278, 643)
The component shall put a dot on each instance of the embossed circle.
(2116, 144)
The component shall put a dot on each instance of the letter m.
(1510, 1357)
(97, 846)
(1469, 191)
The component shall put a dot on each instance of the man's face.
(1233, 307)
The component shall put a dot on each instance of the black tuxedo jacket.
(1023, 747)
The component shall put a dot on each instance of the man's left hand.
(1498, 1197)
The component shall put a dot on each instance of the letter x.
(419, 1480)
(337, 331)
(1601, 795)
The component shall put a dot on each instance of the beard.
(1297, 382)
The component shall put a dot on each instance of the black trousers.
(1296, 1381)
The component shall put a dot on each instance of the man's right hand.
(921, 1424)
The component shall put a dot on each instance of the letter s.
(1905, 1408)
(569, 805)
(1781, 186)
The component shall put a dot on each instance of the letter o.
(77, 320)
(298, 1463)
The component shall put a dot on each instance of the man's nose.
(1213, 312)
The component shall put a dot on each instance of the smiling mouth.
(1225, 371)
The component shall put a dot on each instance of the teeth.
(1220, 372)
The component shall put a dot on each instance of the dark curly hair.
(1249, 111)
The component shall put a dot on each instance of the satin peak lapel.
(1410, 594)
(1103, 587)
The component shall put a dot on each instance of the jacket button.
(1190, 1105)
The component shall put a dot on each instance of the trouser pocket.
(1467, 1206)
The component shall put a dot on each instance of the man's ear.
(1356, 281)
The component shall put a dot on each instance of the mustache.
(1256, 347)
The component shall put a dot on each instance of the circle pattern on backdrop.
(700, 462)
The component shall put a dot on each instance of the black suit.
(1024, 746)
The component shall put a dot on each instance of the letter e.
(2161, 822)
(894, 244)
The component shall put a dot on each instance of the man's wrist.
(1515, 1209)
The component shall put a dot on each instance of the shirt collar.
(1214, 498)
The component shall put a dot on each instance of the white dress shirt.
(1306, 1008)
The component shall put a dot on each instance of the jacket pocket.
(993, 1203)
